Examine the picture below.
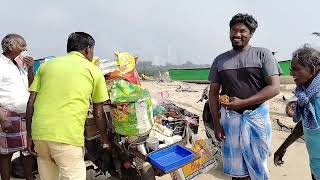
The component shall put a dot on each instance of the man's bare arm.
(296, 133)
(29, 113)
(214, 101)
(214, 108)
(272, 89)
(101, 121)
(30, 76)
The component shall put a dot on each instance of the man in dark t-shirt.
(249, 76)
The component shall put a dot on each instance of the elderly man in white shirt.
(16, 74)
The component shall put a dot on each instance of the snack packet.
(19, 59)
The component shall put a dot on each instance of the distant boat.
(37, 62)
(285, 66)
(200, 75)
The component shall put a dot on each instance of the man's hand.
(30, 146)
(3, 114)
(28, 61)
(278, 155)
(105, 142)
(5, 123)
(6, 126)
(235, 103)
(29, 143)
(219, 132)
(101, 122)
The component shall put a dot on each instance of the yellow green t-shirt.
(64, 87)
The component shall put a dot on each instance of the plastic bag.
(19, 59)
(108, 67)
(131, 119)
(126, 62)
(159, 110)
(123, 92)
(126, 68)
(132, 76)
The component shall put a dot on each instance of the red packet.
(19, 59)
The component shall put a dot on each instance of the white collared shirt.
(14, 92)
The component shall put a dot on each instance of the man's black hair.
(78, 41)
(246, 19)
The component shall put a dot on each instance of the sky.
(161, 31)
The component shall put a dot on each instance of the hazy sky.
(162, 31)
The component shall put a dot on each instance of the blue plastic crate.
(171, 158)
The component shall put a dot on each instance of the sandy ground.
(296, 165)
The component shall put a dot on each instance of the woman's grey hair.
(8, 41)
(307, 57)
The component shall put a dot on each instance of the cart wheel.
(290, 107)
(206, 116)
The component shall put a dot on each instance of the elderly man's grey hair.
(8, 41)
(308, 57)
